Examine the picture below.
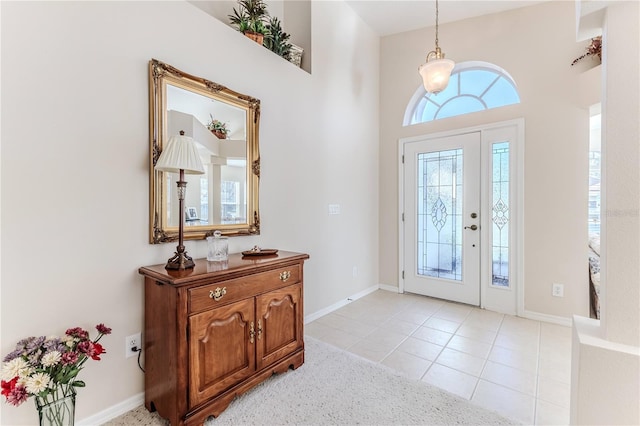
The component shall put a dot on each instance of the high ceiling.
(395, 16)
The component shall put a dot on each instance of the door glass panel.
(501, 226)
(440, 214)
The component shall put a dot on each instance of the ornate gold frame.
(160, 74)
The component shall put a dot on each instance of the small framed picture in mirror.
(192, 213)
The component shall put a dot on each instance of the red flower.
(7, 387)
(98, 350)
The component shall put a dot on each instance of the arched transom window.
(474, 86)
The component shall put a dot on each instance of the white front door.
(442, 217)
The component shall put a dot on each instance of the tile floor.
(515, 366)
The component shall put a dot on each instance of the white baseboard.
(113, 411)
(322, 312)
(554, 319)
(391, 288)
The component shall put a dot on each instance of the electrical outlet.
(557, 290)
(132, 344)
(355, 271)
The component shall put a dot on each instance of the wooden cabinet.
(215, 331)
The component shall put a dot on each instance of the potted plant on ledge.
(251, 19)
(277, 40)
(218, 128)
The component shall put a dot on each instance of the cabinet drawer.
(223, 292)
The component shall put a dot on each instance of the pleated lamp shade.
(180, 154)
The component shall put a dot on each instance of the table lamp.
(180, 156)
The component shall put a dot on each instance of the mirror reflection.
(218, 196)
(224, 126)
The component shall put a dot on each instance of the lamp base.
(180, 261)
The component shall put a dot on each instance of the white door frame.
(489, 133)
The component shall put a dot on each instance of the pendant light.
(436, 70)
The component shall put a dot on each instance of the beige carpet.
(334, 387)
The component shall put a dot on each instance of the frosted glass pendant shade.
(435, 74)
(180, 154)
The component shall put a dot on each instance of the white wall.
(605, 367)
(75, 169)
(536, 45)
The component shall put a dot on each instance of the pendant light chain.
(436, 23)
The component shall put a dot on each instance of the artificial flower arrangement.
(47, 367)
(218, 127)
(593, 49)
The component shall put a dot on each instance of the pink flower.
(77, 332)
(103, 329)
(86, 347)
(17, 396)
(69, 358)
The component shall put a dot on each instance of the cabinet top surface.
(204, 269)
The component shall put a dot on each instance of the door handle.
(472, 227)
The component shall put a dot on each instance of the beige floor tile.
(556, 369)
(399, 326)
(340, 338)
(553, 391)
(523, 352)
(442, 324)
(317, 329)
(486, 320)
(469, 346)
(410, 365)
(460, 361)
(505, 401)
(453, 312)
(372, 349)
(387, 337)
(522, 342)
(355, 309)
(476, 333)
(432, 335)
(420, 348)
(550, 414)
(451, 380)
(355, 327)
(517, 325)
(510, 377)
(413, 315)
(526, 361)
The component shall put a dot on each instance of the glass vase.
(60, 412)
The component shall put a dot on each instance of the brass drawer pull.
(252, 333)
(284, 276)
(259, 329)
(218, 293)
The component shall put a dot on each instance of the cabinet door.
(221, 349)
(279, 315)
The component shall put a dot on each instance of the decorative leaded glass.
(501, 225)
(440, 214)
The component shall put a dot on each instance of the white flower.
(38, 383)
(51, 358)
(13, 368)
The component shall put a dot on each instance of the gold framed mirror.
(225, 126)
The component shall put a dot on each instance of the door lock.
(472, 227)
(474, 215)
